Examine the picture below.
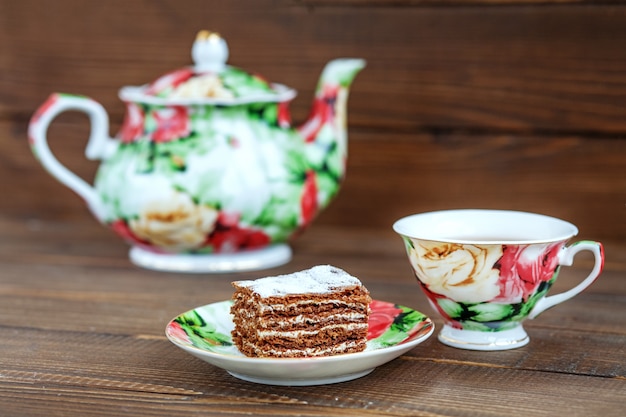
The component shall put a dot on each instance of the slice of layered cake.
(321, 311)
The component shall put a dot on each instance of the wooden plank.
(86, 338)
(577, 178)
(515, 68)
(444, 3)
(152, 377)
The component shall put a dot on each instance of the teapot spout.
(340, 72)
(327, 120)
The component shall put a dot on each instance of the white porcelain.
(487, 271)
(205, 333)
(479, 340)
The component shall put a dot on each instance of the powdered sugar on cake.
(317, 280)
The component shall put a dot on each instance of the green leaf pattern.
(491, 316)
(202, 334)
(403, 326)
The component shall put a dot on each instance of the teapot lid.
(210, 80)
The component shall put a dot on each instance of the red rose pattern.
(229, 237)
(308, 202)
(44, 108)
(132, 128)
(177, 332)
(172, 79)
(523, 268)
(322, 111)
(284, 116)
(381, 317)
(172, 123)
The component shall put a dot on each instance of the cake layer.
(301, 305)
(250, 349)
(301, 321)
(328, 334)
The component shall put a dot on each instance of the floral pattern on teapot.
(216, 173)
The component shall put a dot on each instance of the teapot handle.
(100, 145)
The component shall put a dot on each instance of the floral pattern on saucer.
(205, 333)
(205, 328)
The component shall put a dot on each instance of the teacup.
(486, 271)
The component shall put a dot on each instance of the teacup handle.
(566, 258)
(100, 145)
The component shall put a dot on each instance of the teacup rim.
(567, 230)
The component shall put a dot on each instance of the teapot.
(207, 173)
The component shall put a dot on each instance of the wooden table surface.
(510, 104)
(82, 333)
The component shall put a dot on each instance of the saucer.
(205, 333)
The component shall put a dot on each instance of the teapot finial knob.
(209, 52)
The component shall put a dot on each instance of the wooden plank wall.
(502, 104)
